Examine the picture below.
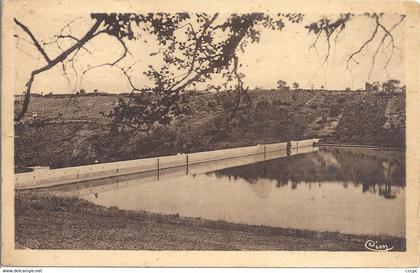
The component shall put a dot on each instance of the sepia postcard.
(210, 133)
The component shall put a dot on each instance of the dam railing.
(51, 177)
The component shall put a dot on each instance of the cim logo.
(375, 246)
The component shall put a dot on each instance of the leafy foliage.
(282, 85)
(196, 47)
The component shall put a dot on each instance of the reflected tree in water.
(379, 172)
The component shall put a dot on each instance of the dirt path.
(311, 100)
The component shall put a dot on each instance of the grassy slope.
(45, 222)
(76, 132)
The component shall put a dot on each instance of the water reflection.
(379, 172)
(324, 190)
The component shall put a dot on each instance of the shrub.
(341, 100)
(334, 111)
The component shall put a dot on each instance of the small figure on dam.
(289, 148)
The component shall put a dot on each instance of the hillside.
(73, 130)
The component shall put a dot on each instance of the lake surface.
(353, 191)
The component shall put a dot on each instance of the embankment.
(71, 131)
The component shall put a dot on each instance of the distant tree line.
(82, 92)
(282, 85)
(390, 86)
(95, 92)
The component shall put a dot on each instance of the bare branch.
(124, 53)
(53, 62)
(387, 34)
(36, 43)
(351, 57)
(68, 25)
(328, 28)
(75, 39)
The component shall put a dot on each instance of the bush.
(341, 100)
(334, 111)
(212, 105)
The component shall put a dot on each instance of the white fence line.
(105, 170)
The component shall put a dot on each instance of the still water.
(344, 190)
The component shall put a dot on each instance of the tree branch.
(387, 33)
(36, 43)
(53, 62)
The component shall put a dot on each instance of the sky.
(280, 55)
